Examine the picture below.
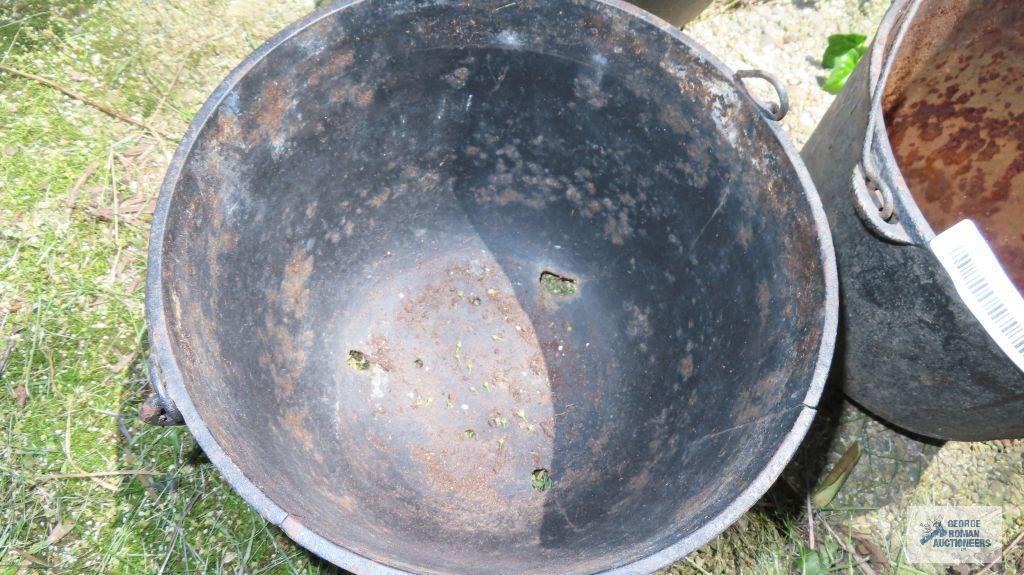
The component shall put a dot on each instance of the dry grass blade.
(124, 361)
(6, 355)
(73, 192)
(862, 562)
(1009, 546)
(134, 206)
(92, 474)
(177, 528)
(30, 559)
(871, 548)
(59, 531)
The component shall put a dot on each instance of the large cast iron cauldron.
(490, 287)
(930, 131)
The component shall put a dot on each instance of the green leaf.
(837, 477)
(541, 480)
(810, 562)
(829, 552)
(820, 562)
(844, 65)
(839, 44)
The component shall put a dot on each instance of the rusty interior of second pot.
(954, 109)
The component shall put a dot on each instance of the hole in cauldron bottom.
(557, 285)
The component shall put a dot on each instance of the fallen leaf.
(124, 361)
(59, 531)
(865, 546)
(137, 150)
(32, 559)
(78, 76)
(835, 479)
(132, 284)
(130, 207)
(21, 395)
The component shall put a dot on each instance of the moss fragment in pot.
(357, 360)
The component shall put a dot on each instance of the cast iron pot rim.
(171, 379)
(881, 58)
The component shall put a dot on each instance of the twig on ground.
(81, 98)
(122, 425)
(863, 563)
(174, 82)
(1002, 553)
(810, 523)
(87, 475)
(6, 355)
(166, 92)
(73, 192)
(71, 459)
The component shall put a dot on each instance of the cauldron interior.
(954, 108)
(416, 258)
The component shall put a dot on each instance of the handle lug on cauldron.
(772, 110)
(158, 409)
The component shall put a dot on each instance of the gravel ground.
(786, 38)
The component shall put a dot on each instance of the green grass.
(71, 296)
(72, 319)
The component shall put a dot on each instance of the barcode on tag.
(983, 285)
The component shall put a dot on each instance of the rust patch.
(359, 95)
(639, 321)
(954, 109)
(294, 292)
(337, 64)
(686, 366)
(270, 110)
(457, 78)
(764, 299)
(295, 425)
(587, 88)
